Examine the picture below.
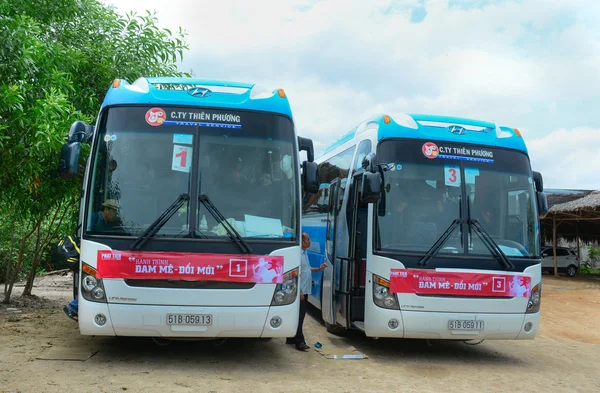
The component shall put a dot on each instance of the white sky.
(529, 64)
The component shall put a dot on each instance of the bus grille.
(189, 284)
(466, 296)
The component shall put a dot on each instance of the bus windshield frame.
(144, 157)
(429, 184)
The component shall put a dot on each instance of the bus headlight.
(535, 300)
(89, 283)
(92, 288)
(285, 293)
(382, 295)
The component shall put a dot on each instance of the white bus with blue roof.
(430, 227)
(190, 211)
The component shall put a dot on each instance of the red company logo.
(430, 150)
(156, 116)
(111, 257)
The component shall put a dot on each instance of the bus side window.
(317, 203)
(364, 148)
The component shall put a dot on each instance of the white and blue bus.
(430, 228)
(190, 211)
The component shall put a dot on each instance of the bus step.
(359, 325)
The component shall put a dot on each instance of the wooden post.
(554, 246)
(578, 250)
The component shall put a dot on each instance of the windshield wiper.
(231, 231)
(490, 243)
(440, 241)
(159, 222)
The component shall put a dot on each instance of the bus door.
(353, 303)
(329, 282)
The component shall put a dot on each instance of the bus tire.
(335, 329)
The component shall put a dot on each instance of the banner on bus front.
(190, 266)
(429, 282)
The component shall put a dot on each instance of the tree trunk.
(40, 252)
(578, 247)
(10, 256)
(15, 272)
(34, 264)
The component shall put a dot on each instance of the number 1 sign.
(238, 267)
(182, 158)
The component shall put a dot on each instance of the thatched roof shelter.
(572, 215)
(576, 214)
(586, 207)
(558, 196)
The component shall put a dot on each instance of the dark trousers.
(299, 337)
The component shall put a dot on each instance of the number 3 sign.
(452, 175)
(182, 158)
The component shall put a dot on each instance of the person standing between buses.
(305, 281)
(106, 218)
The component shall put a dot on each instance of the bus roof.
(197, 92)
(433, 127)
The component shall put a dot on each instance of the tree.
(57, 59)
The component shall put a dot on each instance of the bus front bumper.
(102, 319)
(437, 325)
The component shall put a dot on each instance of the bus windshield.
(431, 184)
(145, 158)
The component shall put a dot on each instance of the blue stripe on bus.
(463, 158)
(200, 124)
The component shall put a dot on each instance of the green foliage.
(593, 253)
(587, 267)
(57, 59)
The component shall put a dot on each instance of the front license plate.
(465, 325)
(189, 319)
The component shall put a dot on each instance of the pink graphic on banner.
(429, 282)
(190, 266)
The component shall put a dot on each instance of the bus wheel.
(335, 329)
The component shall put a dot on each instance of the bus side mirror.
(80, 132)
(306, 144)
(369, 163)
(371, 187)
(542, 202)
(310, 177)
(539, 181)
(69, 160)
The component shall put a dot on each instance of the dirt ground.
(565, 357)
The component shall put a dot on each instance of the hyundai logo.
(199, 92)
(457, 130)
